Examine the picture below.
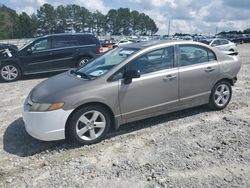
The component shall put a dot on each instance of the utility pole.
(169, 27)
(216, 30)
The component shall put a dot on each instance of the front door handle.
(169, 77)
(209, 69)
(50, 53)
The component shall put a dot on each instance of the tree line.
(68, 18)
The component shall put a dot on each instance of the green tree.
(134, 22)
(46, 19)
(111, 18)
(49, 20)
(123, 21)
(8, 23)
(62, 16)
(99, 22)
(25, 26)
(247, 31)
(85, 19)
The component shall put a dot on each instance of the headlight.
(39, 107)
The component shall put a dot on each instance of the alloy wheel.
(222, 95)
(83, 62)
(9, 72)
(90, 125)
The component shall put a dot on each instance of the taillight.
(103, 50)
(100, 50)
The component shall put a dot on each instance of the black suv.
(57, 52)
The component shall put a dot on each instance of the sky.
(186, 16)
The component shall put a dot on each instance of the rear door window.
(86, 40)
(211, 55)
(64, 41)
(224, 42)
(191, 54)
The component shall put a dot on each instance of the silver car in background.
(223, 45)
(127, 84)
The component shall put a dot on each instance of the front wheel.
(89, 125)
(221, 95)
(10, 72)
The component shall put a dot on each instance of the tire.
(10, 72)
(83, 61)
(82, 126)
(220, 96)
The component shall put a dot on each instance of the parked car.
(241, 40)
(123, 42)
(106, 45)
(127, 84)
(221, 44)
(58, 52)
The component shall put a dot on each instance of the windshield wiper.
(84, 75)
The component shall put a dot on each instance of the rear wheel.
(10, 72)
(83, 61)
(221, 95)
(89, 125)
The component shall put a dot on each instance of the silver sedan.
(129, 83)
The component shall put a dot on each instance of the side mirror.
(29, 51)
(130, 74)
(213, 45)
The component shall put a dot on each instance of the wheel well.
(231, 81)
(92, 103)
(84, 56)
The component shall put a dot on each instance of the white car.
(123, 42)
(222, 44)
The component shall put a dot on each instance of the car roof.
(146, 44)
(67, 34)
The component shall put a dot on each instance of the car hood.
(6, 53)
(57, 88)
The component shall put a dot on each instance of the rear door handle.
(209, 69)
(169, 77)
(50, 53)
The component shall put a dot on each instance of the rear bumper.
(46, 126)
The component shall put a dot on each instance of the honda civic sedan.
(127, 84)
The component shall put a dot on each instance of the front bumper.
(46, 126)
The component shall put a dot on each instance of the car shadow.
(39, 76)
(36, 76)
(18, 142)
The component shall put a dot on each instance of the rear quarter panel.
(229, 65)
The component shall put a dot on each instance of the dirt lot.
(192, 148)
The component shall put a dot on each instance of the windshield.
(105, 63)
(26, 44)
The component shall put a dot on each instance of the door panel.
(157, 88)
(63, 58)
(64, 49)
(36, 56)
(197, 79)
(149, 94)
(198, 71)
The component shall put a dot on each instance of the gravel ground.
(191, 148)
